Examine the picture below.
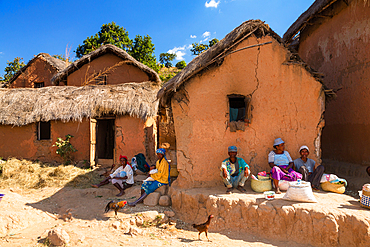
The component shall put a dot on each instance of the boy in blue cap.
(234, 171)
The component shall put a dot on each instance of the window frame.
(38, 130)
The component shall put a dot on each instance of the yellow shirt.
(162, 174)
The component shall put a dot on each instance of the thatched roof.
(215, 55)
(23, 106)
(54, 62)
(304, 19)
(105, 49)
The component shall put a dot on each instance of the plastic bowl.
(269, 195)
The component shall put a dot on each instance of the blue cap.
(232, 149)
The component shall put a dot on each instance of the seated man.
(234, 171)
(310, 171)
(120, 182)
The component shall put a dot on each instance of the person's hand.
(246, 172)
(224, 173)
(285, 171)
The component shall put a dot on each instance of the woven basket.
(337, 188)
(261, 185)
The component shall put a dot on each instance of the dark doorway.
(105, 138)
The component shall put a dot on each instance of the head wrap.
(303, 147)
(125, 157)
(278, 141)
(161, 151)
(232, 149)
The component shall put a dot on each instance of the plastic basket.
(337, 188)
(261, 185)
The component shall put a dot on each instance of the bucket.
(1, 196)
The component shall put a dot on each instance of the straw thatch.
(52, 61)
(304, 19)
(23, 106)
(215, 55)
(105, 49)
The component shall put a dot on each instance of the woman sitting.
(160, 175)
(281, 164)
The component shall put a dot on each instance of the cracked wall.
(287, 102)
(339, 48)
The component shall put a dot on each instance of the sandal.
(228, 191)
(241, 189)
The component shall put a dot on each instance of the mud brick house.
(37, 72)
(246, 90)
(333, 37)
(110, 108)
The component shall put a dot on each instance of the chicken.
(115, 206)
(203, 227)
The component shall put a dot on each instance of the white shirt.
(129, 173)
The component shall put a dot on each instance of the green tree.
(143, 51)
(212, 42)
(198, 48)
(109, 34)
(60, 57)
(166, 58)
(181, 64)
(12, 68)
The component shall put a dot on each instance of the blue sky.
(31, 27)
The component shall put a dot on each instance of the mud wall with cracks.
(286, 102)
(338, 46)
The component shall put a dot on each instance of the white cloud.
(212, 4)
(191, 36)
(206, 34)
(203, 40)
(179, 52)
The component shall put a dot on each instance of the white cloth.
(129, 173)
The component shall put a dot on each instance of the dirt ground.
(27, 216)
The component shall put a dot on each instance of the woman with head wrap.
(159, 176)
(122, 178)
(281, 164)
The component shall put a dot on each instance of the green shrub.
(65, 149)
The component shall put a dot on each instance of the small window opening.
(237, 108)
(43, 130)
(39, 84)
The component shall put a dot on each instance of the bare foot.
(95, 185)
(121, 193)
(277, 191)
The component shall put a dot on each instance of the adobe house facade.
(333, 37)
(110, 109)
(103, 125)
(37, 72)
(246, 90)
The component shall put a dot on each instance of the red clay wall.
(287, 102)
(21, 142)
(38, 71)
(122, 74)
(133, 136)
(339, 47)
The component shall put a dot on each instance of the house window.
(43, 131)
(39, 84)
(239, 111)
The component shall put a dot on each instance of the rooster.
(115, 206)
(203, 227)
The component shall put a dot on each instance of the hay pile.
(25, 174)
